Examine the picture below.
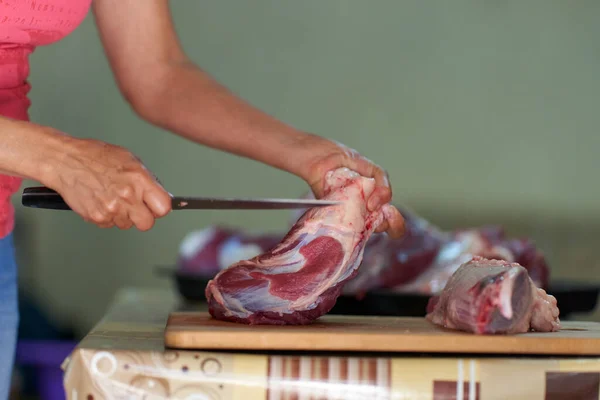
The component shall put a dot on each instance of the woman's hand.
(107, 185)
(325, 155)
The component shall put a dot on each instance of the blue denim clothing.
(9, 313)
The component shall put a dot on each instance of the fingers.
(108, 215)
(127, 205)
(383, 191)
(99, 215)
(158, 201)
(125, 198)
(142, 218)
(115, 212)
(105, 225)
(154, 203)
(139, 215)
(383, 227)
(394, 222)
(123, 221)
(379, 197)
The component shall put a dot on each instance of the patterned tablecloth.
(124, 357)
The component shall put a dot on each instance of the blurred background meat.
(421, 262)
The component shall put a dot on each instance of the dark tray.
(572, 297)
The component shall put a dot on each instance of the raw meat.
(425, 258)
(488, 242)
(388, 262)
(493, 297)
(206, 252)
(421, 262)
(301, 278)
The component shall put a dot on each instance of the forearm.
(191, 104)
(27, 149)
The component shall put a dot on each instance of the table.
(124, 357)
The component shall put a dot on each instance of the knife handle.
(43, 197)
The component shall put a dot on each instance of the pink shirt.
(24, 25)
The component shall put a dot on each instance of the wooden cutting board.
(198, 331)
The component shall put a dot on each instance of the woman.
(106, 184)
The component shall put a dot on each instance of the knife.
(43, 197)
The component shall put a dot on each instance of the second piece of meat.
(300, 279)
(493, 297)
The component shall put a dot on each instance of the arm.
(165, 88)
(24, 149)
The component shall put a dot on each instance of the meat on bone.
(301, 278)
(493, 297)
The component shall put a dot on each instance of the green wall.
(470, 105)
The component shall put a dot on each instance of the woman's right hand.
(107, 185)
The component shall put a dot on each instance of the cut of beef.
(424, 259)
(488, 242)
(388, 263)
(421, 262)
(300, 279)
(493, 297)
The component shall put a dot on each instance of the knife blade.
(46, 198)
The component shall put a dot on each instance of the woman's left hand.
(326, 155)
